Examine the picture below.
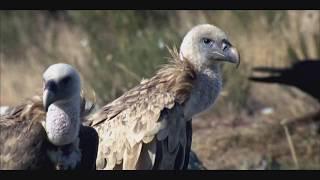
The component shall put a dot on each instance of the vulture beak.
(49, 94)
(233, 56)
(229, 55)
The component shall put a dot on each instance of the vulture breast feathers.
(145, 128)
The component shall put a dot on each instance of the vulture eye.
(225, 44)
(207, 41)
(66, 80)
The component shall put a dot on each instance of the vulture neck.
(63, 121)
(205, 91)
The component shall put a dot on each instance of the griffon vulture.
(46, 133)
(149, 127)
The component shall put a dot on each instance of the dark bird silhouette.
(304, 75)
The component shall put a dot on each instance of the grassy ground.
(114, 50)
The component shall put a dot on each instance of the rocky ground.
(247, 142)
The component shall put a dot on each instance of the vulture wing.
(23, 138)
(145, 128)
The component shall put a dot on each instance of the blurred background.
(114, 50)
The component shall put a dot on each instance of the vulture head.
(205, 45)
(61, 100)
(60, 83)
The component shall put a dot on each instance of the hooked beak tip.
(48, 99)
(238, 64)
(46, 108)
(235, 57)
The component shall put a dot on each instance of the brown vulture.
(47, 132)
(149, 126)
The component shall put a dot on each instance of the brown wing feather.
(130, 122)
(31, 111)
(23, 137)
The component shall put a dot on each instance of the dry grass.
(21, 76)
(114, 49)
